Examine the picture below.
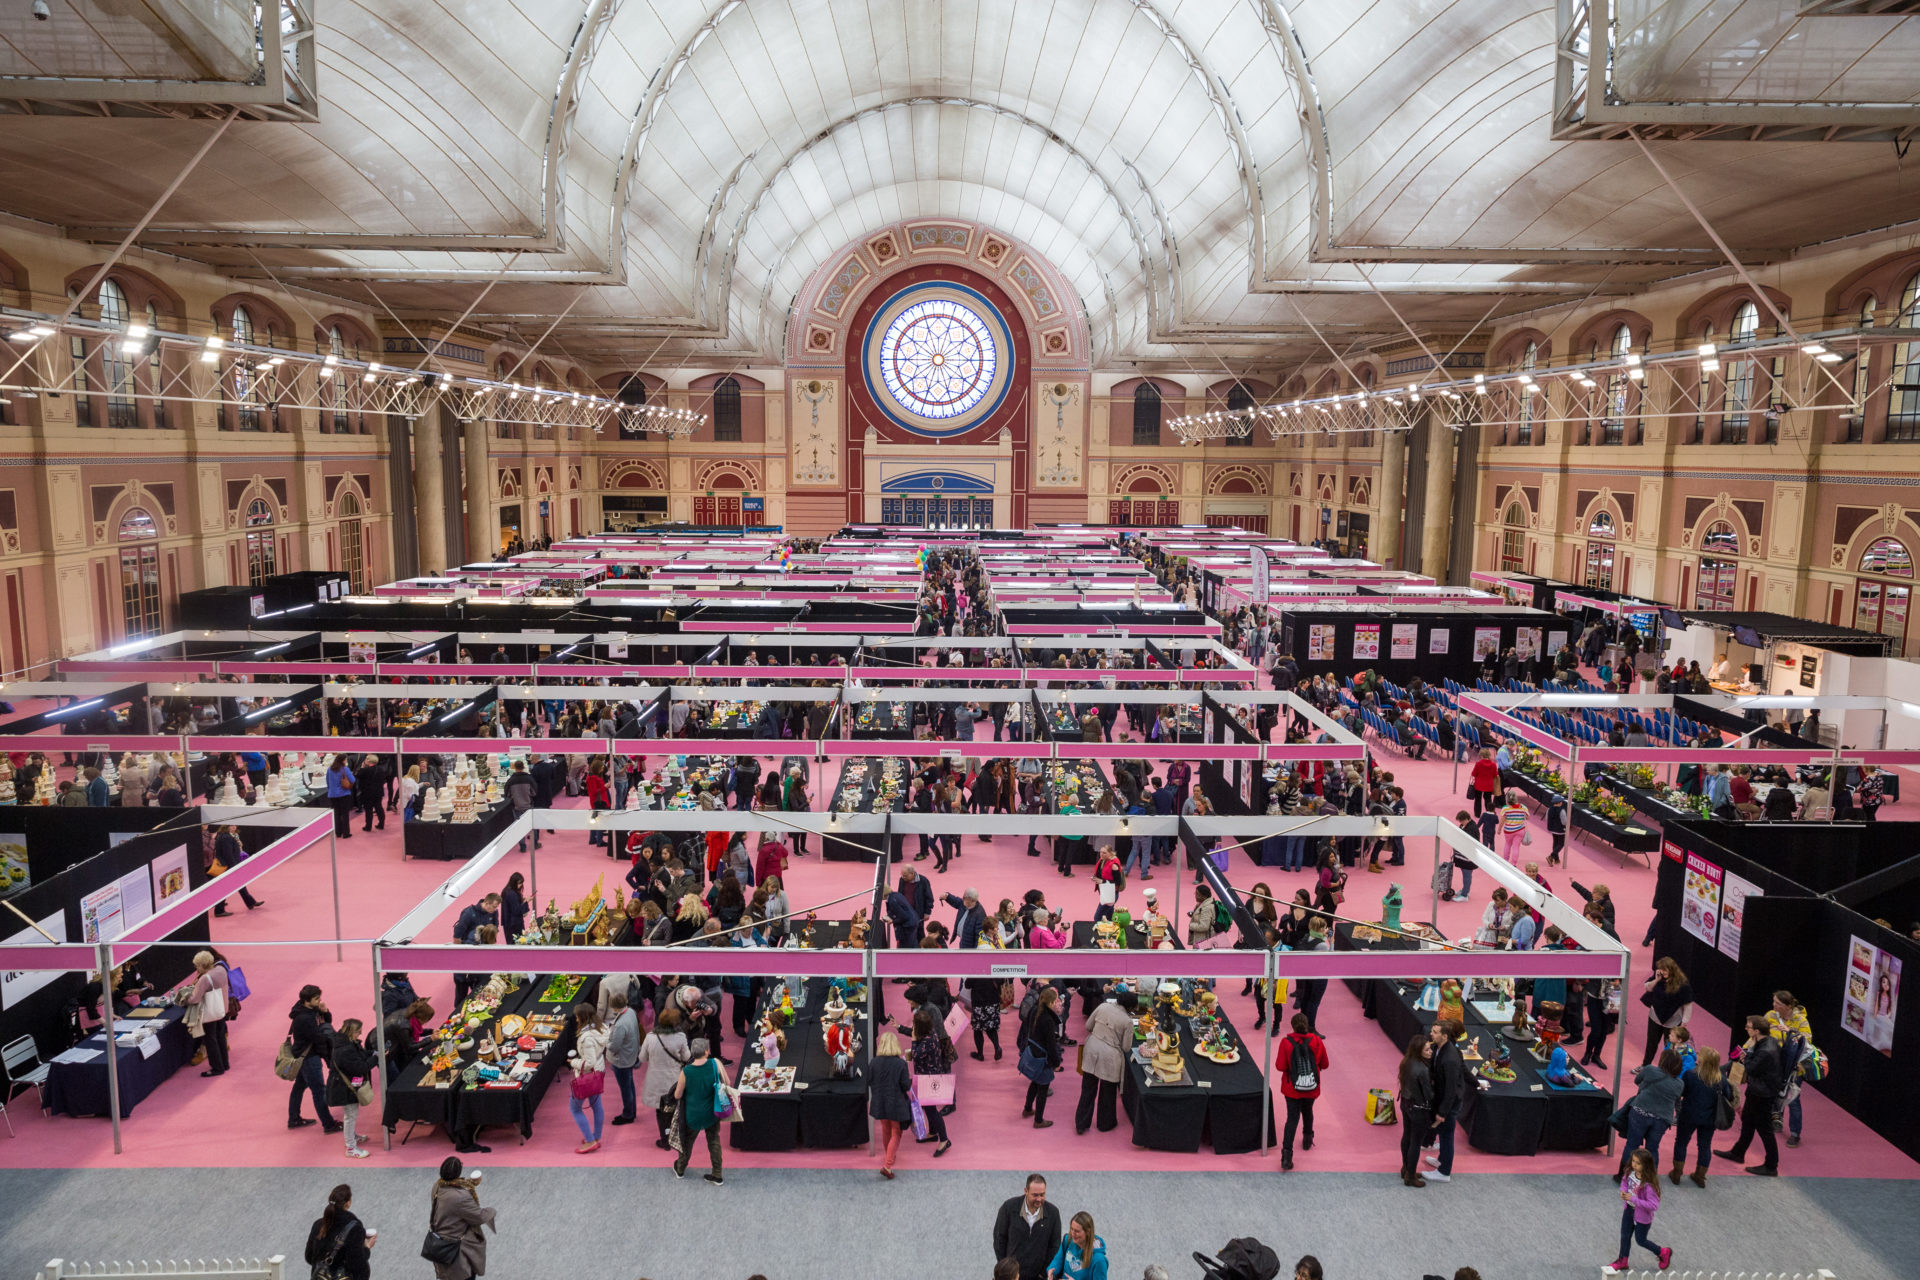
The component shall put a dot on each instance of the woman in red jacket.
(599, 798)
(1302, 1063)
(1483, 784)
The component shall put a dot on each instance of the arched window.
(1883, 605)
(1528, 360)
(122, 412)
(1733, 421)
(1513, 540)
(259, 542)
(1856, 420)
(1600, 538)
(240, 373)
(1146, 416)
(139, 573)
(82, 385)
(726, 410)
(1903, 409)
(339, 385)
(1240, 400)
(352, 553)
(1719, 572)
(1613, 430)
(632, 392)
(156, 369)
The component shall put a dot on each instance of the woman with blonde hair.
(207, 1009)
(888, 1089)
(1704, 1090)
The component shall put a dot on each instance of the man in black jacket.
(1766, 1080)
(311, 1031)
(1028, 1230)
(549, 776)
(1449, 1092)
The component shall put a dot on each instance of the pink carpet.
(240, 1121)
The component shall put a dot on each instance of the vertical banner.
(1734, 893)
(1406, 640)
(1872, 995)
(1262, 576)
(1366, 641)
(1700, 900)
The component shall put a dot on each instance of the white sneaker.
(359, 1155)
(1433, 1162)
(1434, 1175)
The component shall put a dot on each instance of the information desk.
(819, 1112)
(1625, 838)
(463, 1111)
(858, 791)
(80, 1088)
(1519, 1118)
(456, 841)
(1222, 1105)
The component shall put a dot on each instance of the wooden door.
(729, 513)
(703, 511)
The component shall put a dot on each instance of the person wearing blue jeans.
(310, 1031)
(1449, 1092)
(589, 1063)
(1139, 854)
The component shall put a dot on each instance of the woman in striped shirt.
(1513, 825)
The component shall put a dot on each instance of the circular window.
(938, 359)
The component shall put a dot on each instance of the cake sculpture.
(43, 787)
(6, 782)
(429, 805)
(446, 804)
(841, 1045)
(1451, 1005)
(110, 772)
(1168, 1066)
(1106, 936)
(465, 795)
(1547, 1028)
(229, 792)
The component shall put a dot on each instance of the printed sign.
(1556, 641)
(1734, 893)
(102, 914)
(136, 897)
(1700, 899)
(1872, 995)
(1406, 640)
(1437, 640)
(1366, 641)
(257, 606)
(1486, 640)
(1320, 642)
(169, 876)
(17, 984)
(1262, 576)
(1672, 851)
(1526, 642)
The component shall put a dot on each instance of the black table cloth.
(1509, 1119)
(80, 1088)
(1638, 840)
(456, 841)
(1222, 1105)
(864, 792)
(826, 1113)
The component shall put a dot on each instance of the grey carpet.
(619, 1224)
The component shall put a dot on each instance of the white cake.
(429, 805)
(446, 804)
(229, 792)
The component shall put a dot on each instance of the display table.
(858, 791)
(1626, 839)
(461, 1111)
(1644, 801)
(1136, 937)
(1343, 940)
(1222, 1105)
(1518, 1118)
(820, 1112)
(80, 1088)
(456, 841)
(733, 720)
(1074, 787)
(883, 720)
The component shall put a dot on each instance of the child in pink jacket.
(1640, 1192)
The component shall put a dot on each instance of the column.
(483, 533)
(430, 493)
(1383, 542)
(1436, 442)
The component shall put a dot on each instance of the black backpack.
(1243, 1258)
(1303, 1072)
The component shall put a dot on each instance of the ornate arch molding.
(349, 485)
(1259, 477)
(1894, 521)
(649, 474)
(1717, 308)
(1608, 501)
(134, 494)
(1723, 509)
(1124, 479)
(1506, 496)
(746, 472)
(256, 488)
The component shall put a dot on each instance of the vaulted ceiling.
(1217, 178)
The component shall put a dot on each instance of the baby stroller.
(1242, 1258)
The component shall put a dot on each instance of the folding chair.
(23, 1067)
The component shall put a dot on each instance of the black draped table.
(463, 1111)
(80, 1088)
(1222, 1105)
(1521, 1117)
(819, 1112)
(1623, 837)
(456, 841)
(858, 791)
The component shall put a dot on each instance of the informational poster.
(1556, 641)
(17, 984)
(1809, 671)
(616, 648)
(257, 606)
(1262, 576)
(1406, 640)
(13, 863)
(1700, 899)
(169, 876)
(1486, 640)
(1320, 642)
(1734, 893)
(360, 651)
(1366, 641)
(102, 915)
(136, 897)
(1872, 996)
(1437, 640)
(1526, 642)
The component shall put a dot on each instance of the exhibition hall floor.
(834, 1224)
(193, 1122)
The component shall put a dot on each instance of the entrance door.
(983, 513)
(916, 511)
(703, 511)
(1169, 514)
(937, 510)
(729, 512)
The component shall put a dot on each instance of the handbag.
(441, 1251)
(287, 1063)
(1618, 1122)
(237, 983)
(589, 1084)
(934, 1090)
(735, 1114)
(324, 1269)
(957, 1020)
(723, 1106)
(1033, 1064)
(1723, 1110)
(919, 1118)
(1380, 1107)
(213, 1006)
(362, 1093)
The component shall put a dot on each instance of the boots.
(1674, 1173)
(1699, 1177)
(199, 1056)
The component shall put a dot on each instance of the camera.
(40, 10)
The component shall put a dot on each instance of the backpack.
(1814, 1065)
(1303, 1073)
(1222, 916)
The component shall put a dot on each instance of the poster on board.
(136, 897)
(1320, 642)
(1700, 899)
(1734, 893)
(169, 876)
(17, 984)
(1486, 640)
(1872, 995)
(1406, 640)
(1526, 642)
(102, 915)
(1366, 641)
(1437, 640)
(13, 864)
(361, 650)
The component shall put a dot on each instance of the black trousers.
(1037, 1102)
(342, 815)
(1415, 1124)
(1756, 1117)
(1100, 1094)
(1299, 1115)
(214, 1034)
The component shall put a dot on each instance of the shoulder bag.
(441, 1251)
(286, 1063)
(1723, 1109)
(1033, 1064)
(324, 1269)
